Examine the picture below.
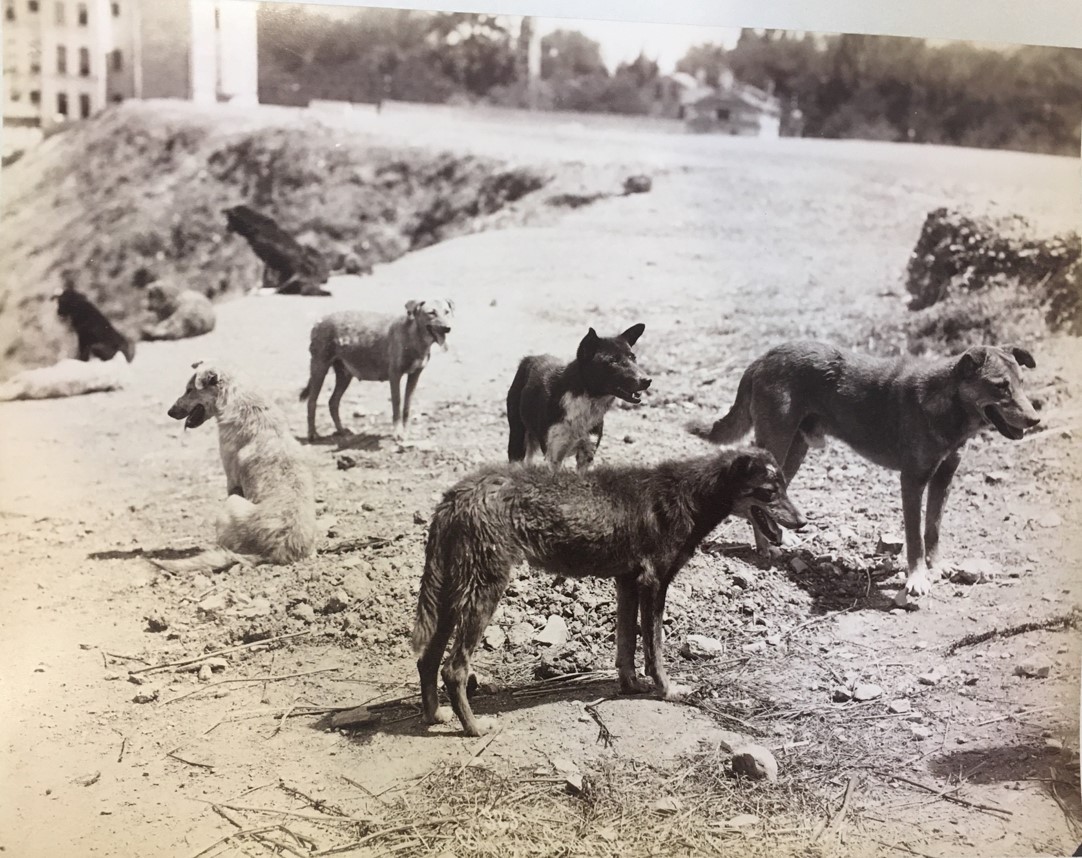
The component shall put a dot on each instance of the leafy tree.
(568, 54)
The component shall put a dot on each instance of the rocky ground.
(738, 246)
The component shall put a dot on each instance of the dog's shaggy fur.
(95, 334)
(270, 511)
(559, 408)
(909, 415)
(375, 347)
(68, 377)
(178, 313)
(638, 526)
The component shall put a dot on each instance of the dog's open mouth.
(632, 396)
(196, 417)
(439, 333)
(1005, 428)
(766, 524)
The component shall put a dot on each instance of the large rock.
(754, 762)
(700, 646)
(555, 632)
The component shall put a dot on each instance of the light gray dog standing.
(908, 415)
(375, 347)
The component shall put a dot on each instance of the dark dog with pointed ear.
(558, 408)
(96, 335)
(636, 525)
(909, 415)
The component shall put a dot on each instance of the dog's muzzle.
(634, 395)
(439, 333)
(1006, 429)
(196, 417)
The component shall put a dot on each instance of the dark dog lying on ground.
(375, 347)
(96, 334)
(907, 415)
(560, 408)
(638, 526)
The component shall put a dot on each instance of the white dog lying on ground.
(68, 377)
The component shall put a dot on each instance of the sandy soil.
(737, 247)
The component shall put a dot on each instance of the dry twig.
(249, 679)
(1061, 622)
(944, 794)
(186, 661)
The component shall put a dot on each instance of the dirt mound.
(138, 193)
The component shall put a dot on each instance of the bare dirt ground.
(738, 247)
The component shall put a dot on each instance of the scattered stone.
(932, 677)
(368, 507)
(215, 603)
(899, 706)
(304, 612)
(628, 439)
(743, 820)
(87, 780)
(867, 691)
(555, 632)
(564, 766)
(147, 695)
(889, 543)
(973, 570)
(1053, 744)
(494, 637)
(637, 184)
(419, 517)
(156, 623)
(700, 646)
(1050, 520)
(744, 579)
(520, 634)
(920, 731)
(345, 462)
(755, 762)
(1032, 669)
(994, 478)
(337, 602)
(841, 694)
(667, 804)
(573, 783)
(798, 566)
(755, 646)
(205, 672)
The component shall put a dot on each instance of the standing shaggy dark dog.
(638, 526)
(96, 334)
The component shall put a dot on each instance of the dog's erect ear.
(588, 345)
(412, 307)
(197, 364)
(632, 334)
(450, 305)
(970, 361)
(1021, 356)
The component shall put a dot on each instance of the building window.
(62, 103)
(118, 60)
(61, 59)
(9, 12)
(84, 62)
(116, 10)
(60, 14)
(35, 97)
(82, 14)
(32, 5)
(724, 114)
(116, 98)
(84, 105)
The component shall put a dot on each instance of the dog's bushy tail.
(736, 423)
(216, 559)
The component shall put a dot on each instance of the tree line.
(844, 86)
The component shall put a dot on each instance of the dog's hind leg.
(396, 406)
(317, 373)
(428, 666)
(516, 427)
(917, 582)
(938, 490)
(478, 608)
(651, 617)
(342, 378)
(627, 620)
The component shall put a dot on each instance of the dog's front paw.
(676, 693)
(635, 684)
(442, 715)
(342, 433)
(919, 582)
(485, 726)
